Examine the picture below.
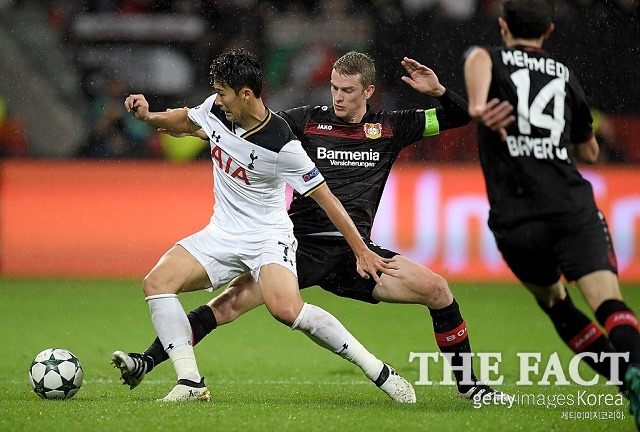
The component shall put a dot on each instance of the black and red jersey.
(533, 174)
(356, 158)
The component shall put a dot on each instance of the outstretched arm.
(368, 262)
(422, 78)
(453, 110)
(174, 120)
(477, 77)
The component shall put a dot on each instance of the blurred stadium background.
(87, 191)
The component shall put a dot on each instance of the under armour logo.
(170, 347)
(253, 152)
(216, 136)
(286, 248)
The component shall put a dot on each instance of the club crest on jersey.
(253, 157)
(311, 174)
(228, 165)
(373, 130)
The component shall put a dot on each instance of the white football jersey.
(250, 169)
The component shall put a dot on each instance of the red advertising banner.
(436, 215)
(115, 218)
(97, 219)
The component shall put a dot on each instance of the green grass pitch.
(265, 377)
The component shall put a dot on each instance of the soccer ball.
(56, 373)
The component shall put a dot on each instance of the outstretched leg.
(417, 284)
(602, 292)
(578, 331)
(241, 296)
(282, 298)
(177, 271)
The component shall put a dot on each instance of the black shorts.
(329, 262)
(541, 250)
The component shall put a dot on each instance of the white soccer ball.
(56, 373)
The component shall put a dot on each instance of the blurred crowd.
(299, 40)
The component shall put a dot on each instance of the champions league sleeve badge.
(311, 174)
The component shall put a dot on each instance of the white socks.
(325, 330)
(174, 331)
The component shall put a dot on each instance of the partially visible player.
(334, 137)
(543, 213)
(250, 234)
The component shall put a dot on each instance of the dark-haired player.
(250, 234)
(355, 147)
(543, 213)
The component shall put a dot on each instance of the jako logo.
(325, 127)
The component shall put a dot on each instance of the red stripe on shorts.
(586, 337)
(452, 337)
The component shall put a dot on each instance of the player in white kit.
(254, 153)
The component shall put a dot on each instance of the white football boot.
(395, 386)
(187, 390)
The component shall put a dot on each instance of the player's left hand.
(497, 116)
(422, 78)
(369, 263)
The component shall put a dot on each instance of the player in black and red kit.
(542, 211)
(355, 147)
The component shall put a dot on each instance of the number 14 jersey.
(533, 173)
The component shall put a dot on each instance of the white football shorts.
(226, 256)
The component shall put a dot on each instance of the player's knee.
(435, 290)
(150, 285)
(548, 296)
(422, 286)
(224, 309)
(547, 300)
(431, 289)
(286, 314)
(153, 285)
(285, 317)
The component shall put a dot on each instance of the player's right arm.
(173, 121)
(368, 263)
(477, 78)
